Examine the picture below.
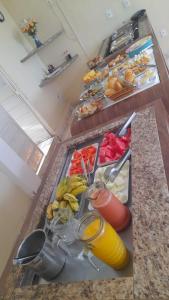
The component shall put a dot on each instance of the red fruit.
(120, 144)
(102, 151)
(125, 139)
(110, 135)
(92, 159)
(76, 155)
(106, 135)
(107, 159)
(92, 150)
(109, 154)
(109, 148)
(76, 161)
(104, 142)
(102, 159)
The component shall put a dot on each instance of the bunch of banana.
(66, 192)
(76, 185)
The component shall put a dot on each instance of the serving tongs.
(111, 173)
(147, 65)
(86, 170)
(123, 129)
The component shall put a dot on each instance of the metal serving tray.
(80, 269)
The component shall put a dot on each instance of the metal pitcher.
(48, 261)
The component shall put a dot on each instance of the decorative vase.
(37, 41)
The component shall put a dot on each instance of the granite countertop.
(150, 209)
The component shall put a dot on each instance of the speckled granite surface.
(150, 226)
(119, 289)
(150, 213)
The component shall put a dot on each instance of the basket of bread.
(116, 87)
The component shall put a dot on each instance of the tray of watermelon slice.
(88, 153)
(113, 147)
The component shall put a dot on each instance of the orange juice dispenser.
(103, 240)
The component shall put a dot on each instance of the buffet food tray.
(75, 269)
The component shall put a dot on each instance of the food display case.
(118, 80)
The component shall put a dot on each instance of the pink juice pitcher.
(109, 206)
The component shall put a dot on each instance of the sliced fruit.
(113, 147)
(87, 154)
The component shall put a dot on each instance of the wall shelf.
(59, 70)
(46, 43)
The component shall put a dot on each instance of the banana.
(69, 197)
(73, 185)
(76, 178)
(61, 189)
(73, 201)
(49, 212)
(63, 204)
(79, 190)
(74, 206)
(55, 205)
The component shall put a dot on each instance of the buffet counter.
(150, 201)
(150, 238)
(137, 98)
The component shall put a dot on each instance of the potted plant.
(30, 27)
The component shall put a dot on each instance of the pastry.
(129, 76)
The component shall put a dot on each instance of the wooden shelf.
(46, 43)
(59, 70)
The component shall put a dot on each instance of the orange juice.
(107, 245)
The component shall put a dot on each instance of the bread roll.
(112, 82)
(118, 86)
(110, 92)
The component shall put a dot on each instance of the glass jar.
(103, 240)
(109, 206)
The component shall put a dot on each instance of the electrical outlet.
(109, 13)
(126, 3)
(163, 33)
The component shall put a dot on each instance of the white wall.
(14, 206)
(27, 76)
(52, 100)
(88, 17)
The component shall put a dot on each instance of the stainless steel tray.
(80, 270)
